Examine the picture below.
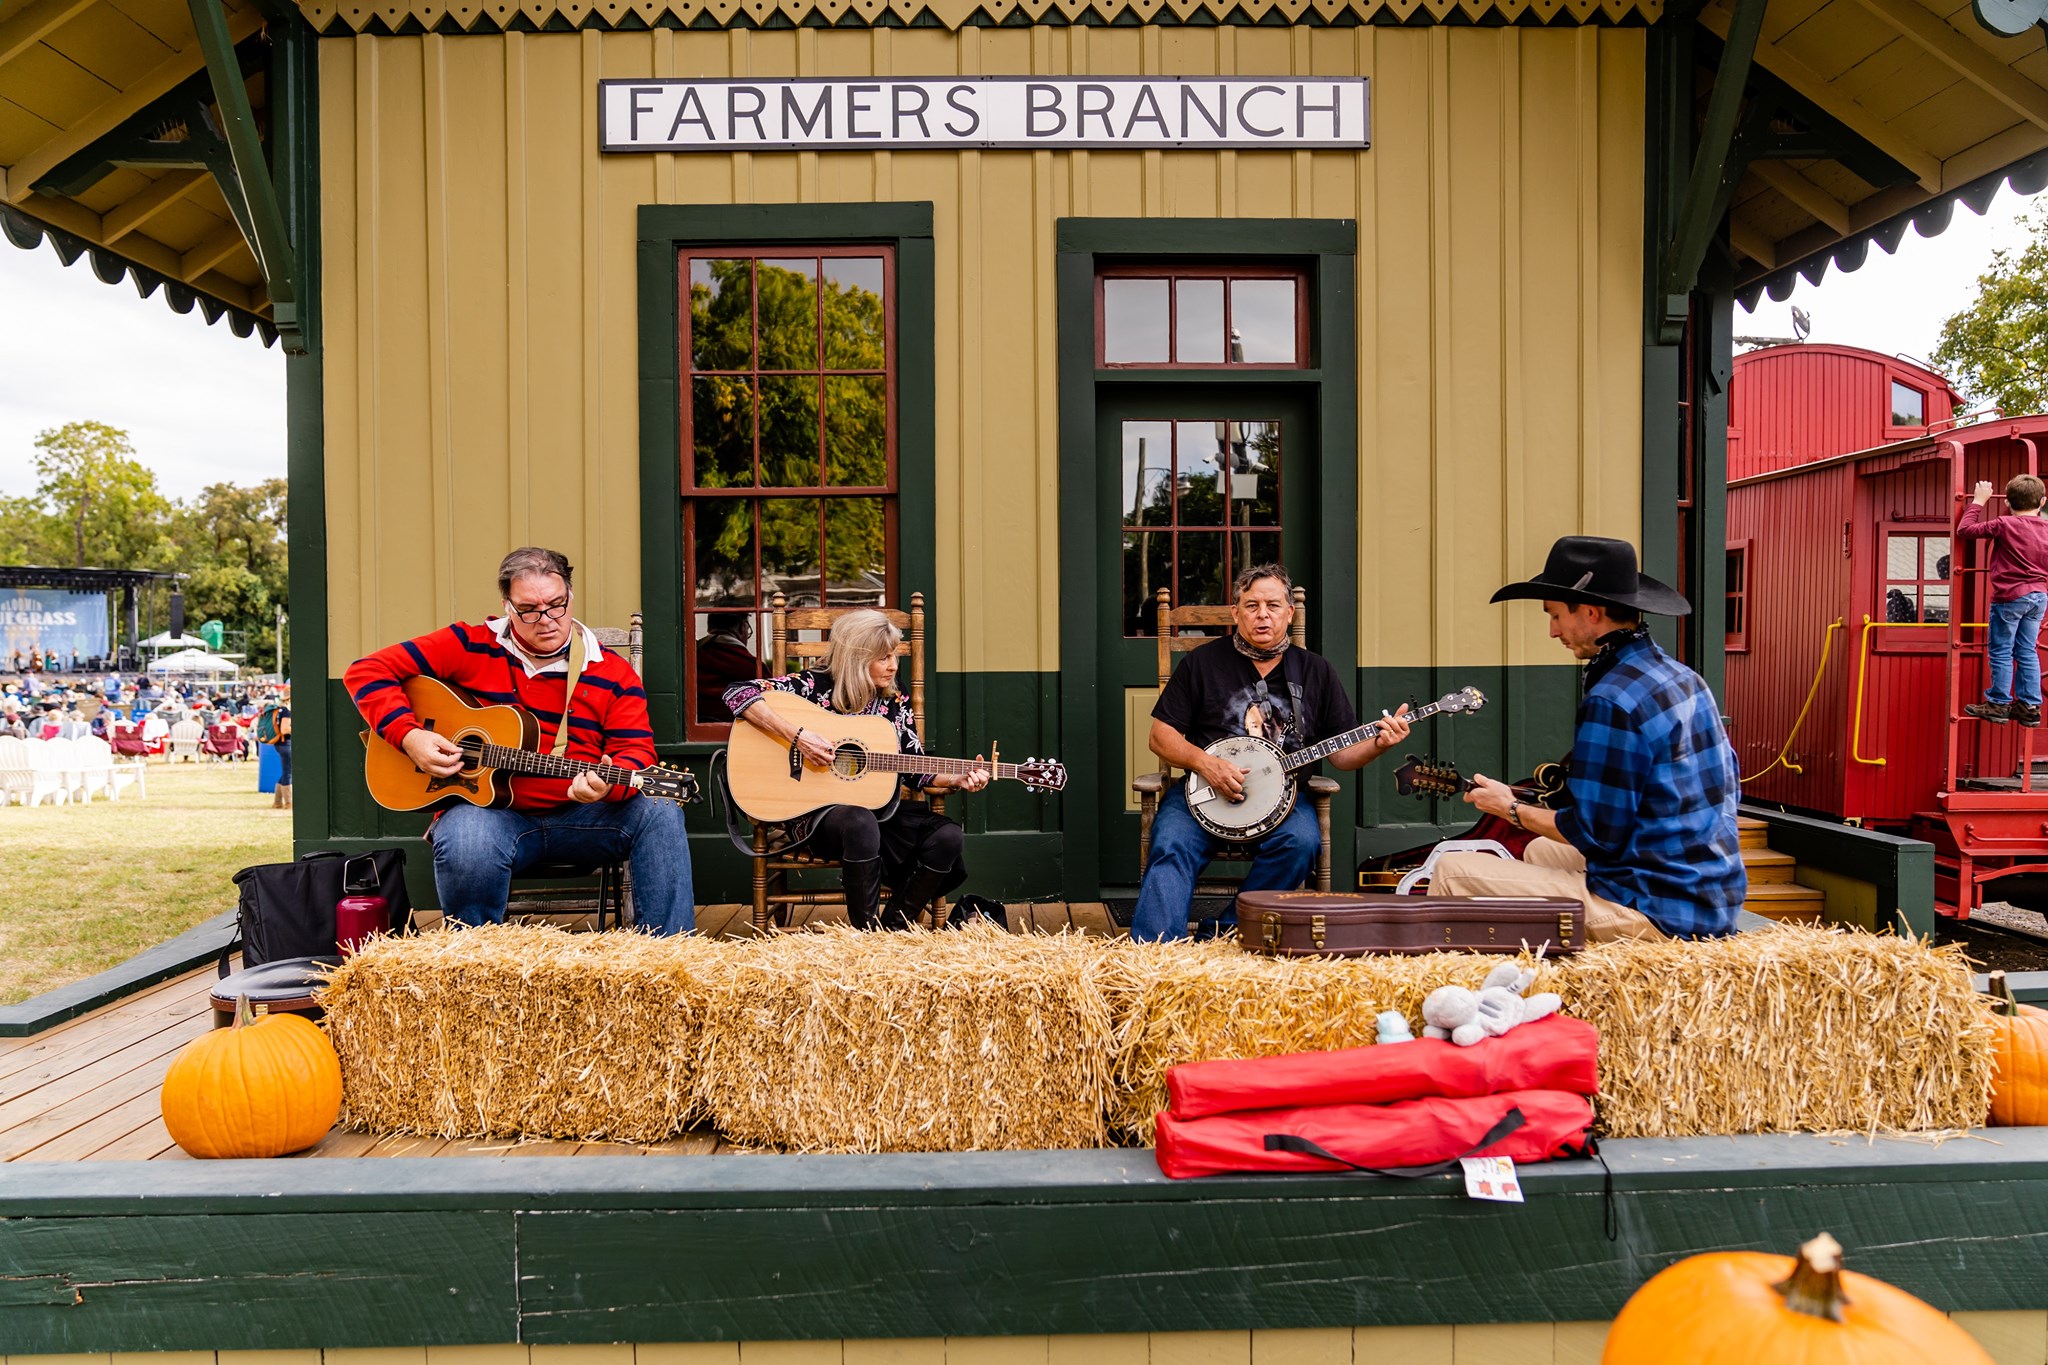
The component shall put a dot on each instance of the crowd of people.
(34, 703)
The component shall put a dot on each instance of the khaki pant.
(1549, 867)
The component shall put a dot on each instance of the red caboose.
(1855, 635)
(1791, 404)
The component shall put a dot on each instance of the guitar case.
(1350, 924)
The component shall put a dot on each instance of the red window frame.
(1226, 274)
(696, 496)
(1738, 596)
(1919, 639)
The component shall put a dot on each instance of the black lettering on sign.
(638, 108)
(1216, 121)
(1033, 108)
(792, 112)
(734, 113)
(953, 94)
(855, 108)
(1244, 120)
(898, 112)
(684, 115)
(1086, 107)
(1146, 101)
(1302, 109)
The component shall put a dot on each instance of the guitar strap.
(569, 692)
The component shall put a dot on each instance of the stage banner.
(46, 619)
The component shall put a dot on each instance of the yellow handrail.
(1827, 640)
(1863, 663)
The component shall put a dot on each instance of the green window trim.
(664, 230)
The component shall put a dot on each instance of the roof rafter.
(35, 23)
(1804, 193)
(1964, 57)
(138, 209)
(1753, 242)
(210, 251)
(1851, 115)
(160, 80)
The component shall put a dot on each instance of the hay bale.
(838, 1041)
(521, 1030)
(1800, 1029)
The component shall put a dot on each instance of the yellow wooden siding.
(482, 342)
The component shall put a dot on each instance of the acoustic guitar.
(495, 740)
(772, 782)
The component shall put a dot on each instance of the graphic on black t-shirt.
(1265, 713)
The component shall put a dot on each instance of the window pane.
(1262, 322)
(1901, 557)
(1199, 464)
(721, 316)
(1148, 567)
(1148, 473)
(854, 327)
(1201, 570)
(1198, 322)
(857, 430)
(1901, 604)
(1935, 605)
(724, 571)
(725, 653)
(789, 431)
(1909, 406)
(1255, 465)
(722, 429)
(1934, 556)
(789, 550)
(1252, 547)
(856, 552)
(1133, 321)
(1733, 625)
(789, 314)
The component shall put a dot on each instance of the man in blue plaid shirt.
(1647, 842)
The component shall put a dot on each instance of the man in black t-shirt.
(1251, 682)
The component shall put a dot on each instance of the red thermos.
(356, 918)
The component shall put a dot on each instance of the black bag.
(287, 909)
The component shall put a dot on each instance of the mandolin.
(772, 782)
(495, 740)
(1434, 777)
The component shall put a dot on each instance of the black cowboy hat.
(1600, 571)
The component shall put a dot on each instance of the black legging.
(852, 834)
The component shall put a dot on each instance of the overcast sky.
(204, 405)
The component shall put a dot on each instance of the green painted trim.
(265, 217)
(1331, 245)
(196, 947)
(120, 1256)
(1901, 870)
(663, 230)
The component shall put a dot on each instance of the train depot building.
(1034, 308)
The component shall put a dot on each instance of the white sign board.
(982, 111)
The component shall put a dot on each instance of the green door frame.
(1329, 248)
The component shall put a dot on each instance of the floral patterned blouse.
(815, 685)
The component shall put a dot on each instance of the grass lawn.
(89, 887)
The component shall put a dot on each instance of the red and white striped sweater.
(608, 714)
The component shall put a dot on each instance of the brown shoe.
(1998, 713)
(2029, 716)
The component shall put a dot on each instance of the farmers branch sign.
(984, 111)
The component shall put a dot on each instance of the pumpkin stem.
(1815, 1285)
(2002, 1001)
(242, 1015)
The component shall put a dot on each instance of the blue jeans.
(1181, 849)
(2015, 642)
(477, 852)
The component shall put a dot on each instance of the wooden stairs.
(1772, 892)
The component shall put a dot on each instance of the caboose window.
(1737, 597)
(1909, 406)
(1915, 578)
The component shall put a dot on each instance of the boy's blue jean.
(2015, 650)
(478, 851)
(1181, 849)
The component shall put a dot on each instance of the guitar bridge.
(796, 762)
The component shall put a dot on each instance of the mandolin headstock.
(1427, 777)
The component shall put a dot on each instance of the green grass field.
(88, 887)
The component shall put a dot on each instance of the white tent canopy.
(166, 640)
(193, 661)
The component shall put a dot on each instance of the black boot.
(863, 883)
(914, 897)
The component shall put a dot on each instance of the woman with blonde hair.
(915, 850)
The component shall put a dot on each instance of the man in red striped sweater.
(523, 658)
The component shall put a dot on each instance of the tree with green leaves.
(1997, 349)
(91, 480)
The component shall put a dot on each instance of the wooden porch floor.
(88, 1090)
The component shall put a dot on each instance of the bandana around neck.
(1254, 653)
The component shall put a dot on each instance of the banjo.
(1269, 786)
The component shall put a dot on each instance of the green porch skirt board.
(131, 1256)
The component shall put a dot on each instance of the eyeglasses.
(533, 616)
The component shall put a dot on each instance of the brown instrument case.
(1348, 924)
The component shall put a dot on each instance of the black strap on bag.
(1294, 1142)
(287, 909)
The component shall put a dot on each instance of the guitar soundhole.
(472, 752)
(849, 761)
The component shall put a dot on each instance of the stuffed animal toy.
(1465, 1016)
(1393, 1028)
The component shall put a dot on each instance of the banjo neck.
(1322, 749)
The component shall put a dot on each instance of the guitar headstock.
(1427, 777)
(1464, 699)
(668, 784)
(1043, 774)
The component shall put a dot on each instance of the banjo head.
(1268, 791)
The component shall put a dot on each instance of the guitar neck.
(1322, 749)
(526, 763)
(939, 767)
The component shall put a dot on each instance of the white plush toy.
(1465, 1017)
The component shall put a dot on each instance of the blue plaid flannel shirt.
(1654, 790)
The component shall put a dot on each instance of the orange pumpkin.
(1746, 1308)
(2019, 1095)
(254, 1089)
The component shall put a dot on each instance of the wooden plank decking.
(88, 1090)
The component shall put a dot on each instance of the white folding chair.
(16, 778)
(47, 770)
